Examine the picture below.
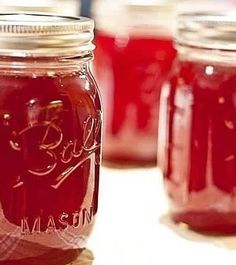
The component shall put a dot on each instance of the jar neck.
(197, 54)
(44, 64)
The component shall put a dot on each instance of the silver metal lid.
(45, 35)
(139, 18)
(60, 7)
(207, 30)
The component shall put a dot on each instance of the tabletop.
(133, 226)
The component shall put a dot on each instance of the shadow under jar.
(50, 128)
(197, 144)
(133, 59)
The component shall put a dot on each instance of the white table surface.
(133, 227)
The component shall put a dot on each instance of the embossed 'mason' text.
(52, 224)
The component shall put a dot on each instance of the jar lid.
(44, 35)
(150, 7)
(155, 18)
(60, 7)
(207, 30)
(29, 6)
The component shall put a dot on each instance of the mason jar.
(50, 128)
(197, 144)
(134, 55)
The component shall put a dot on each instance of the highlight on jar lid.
(207, 30)
(45, 6)
(45, 35)
(150, 6)
(68, 7)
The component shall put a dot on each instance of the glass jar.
(50, 127)
(133, 59)
(197, 147)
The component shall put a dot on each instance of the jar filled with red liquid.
(197, 144)
(133, 57)
(50, 138)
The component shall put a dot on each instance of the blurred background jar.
(186, 6)
(133, 58)
(197, 143)
(62, 7)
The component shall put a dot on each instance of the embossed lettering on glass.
(50, 128)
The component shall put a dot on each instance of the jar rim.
(28, 34)
(207, 30)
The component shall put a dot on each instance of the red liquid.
(130, 71)
(200, 149)
(49, 166)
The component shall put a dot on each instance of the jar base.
(56, 257)
(128, 162)
(208, 222)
